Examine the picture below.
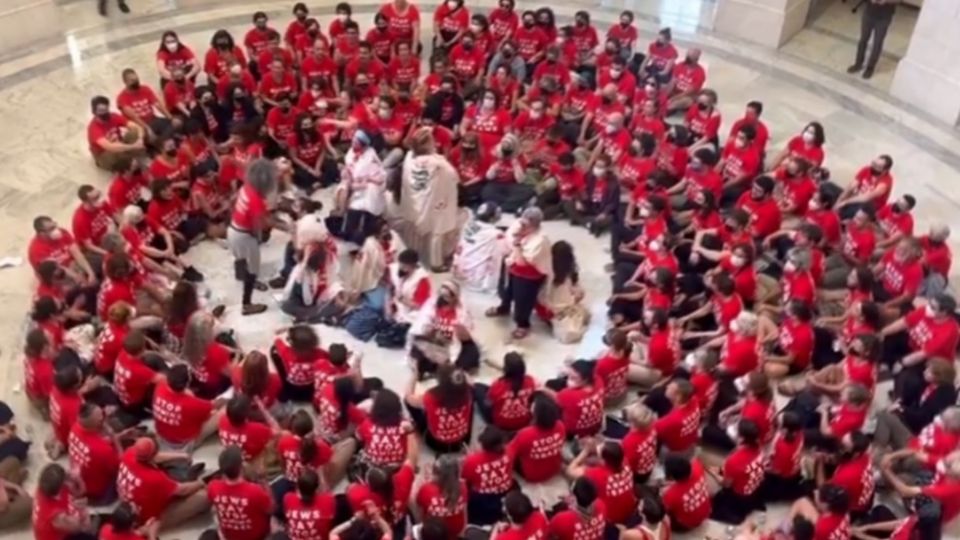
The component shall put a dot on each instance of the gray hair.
(801, 257)
(112, 241)
(939, 231)
(262, 176)
(533, 216)
(132, 214)
(747, 323)
(951, 419)
(197, 337)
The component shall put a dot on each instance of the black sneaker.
(277, 283)
(254, 309)
(192, 275)
(854, 68)
(260, 286)
(124, 8)
(867, 73)
(218, 311)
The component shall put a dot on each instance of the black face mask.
(468, 45)
(301, 17)
(507, 54)
(606, 100)
(104, 116)
(223, 44)
(875, 171)
(135, 85)
(702, 106)
(897, 209)
(527, 24)
(442, 302)
(581, 23)
(180, 82)
(625, 24)
(171, 153)
(756, 196)
(403, 273)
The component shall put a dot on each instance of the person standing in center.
(527, 266)
(249, 219)
(428, 203)
(877, 16)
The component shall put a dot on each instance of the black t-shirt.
(881, 11)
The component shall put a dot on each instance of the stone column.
(928, 76)
(27, 21)
(766, 22)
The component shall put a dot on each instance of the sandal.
(495, 312)
(520, 333)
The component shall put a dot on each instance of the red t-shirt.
(765, 215)
(300, 369)
(845, 419)
(249, 209)
(257, 40)
(329, 419)
(92, 224)
(796, 339)
(401, 71)
(679, 429)
(935, 441)
(113, 291)
(540, 452)
(358, 494)
(705, 388)
(688, 502)
(898, 277)
(798, 285)
(857, 370)
(785, 456)
(401, 25)
(94, 455)
(866, 182)
(252, 437)
(511, 410)
(936, 256)
(612, 372)
(488, 473)
(141, 101)
(309, 521)
(148, 489)
(132, 379)
(64, 410)
(38, 377)
(859, 242)
(832, 527)
(689, 77)
(740, 162)
(108, 533)
(763, 134)
(582, 409)
(211, 371)
(534, 528)
(702, 123)
(738, 356)
(242, 509)
(45, 509)
(795, 193)
(640, 450)
(282, 123)
(761, 413)
(744, 469)
(798, 148)
(530, 41)
(125, 190)
(616, 491)
(935, 338)
(288, 447)
(856, 476)
(503, 23)
(178, 416)
(98, 129)
(431, 501)
(829, 223)
(447, 425)
(384, 445)
(572, 525)
(947, 493)
(44, 249)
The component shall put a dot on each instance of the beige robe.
(428, 214)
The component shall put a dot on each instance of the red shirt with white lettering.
(616, 491)
(785, 455)
(640, 450)
(110, 130)
(384, 445)
(252, 437)
(946, 491)
(738, 355)
(812, 153)
(288, 447)
(330, 420)
(299, 367)
(900, 277)
(401, 24)
(141, 101)
(687, 502)
(179, 416)
(92, 224)
(249, 210)
(132, 379)
(394, 510)
(45, 511)
(534, 528)
(511, 409)
(612, 372)
(832, 526)
(147, 488)
(744, 469)
(573, 525)
(936, 338)
(309, 521)
(242, 508)
(488, 472)
(539, 451)
(856, 476)
(64, 411)
(432, 503)
(679, 429)
(582, 409)
(846, 419)
(43, 249)
(95, 456)
(447, 425)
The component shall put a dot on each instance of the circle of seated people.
(738, 276)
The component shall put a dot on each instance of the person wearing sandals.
(527, 266)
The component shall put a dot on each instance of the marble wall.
(928, 76)
(766, 22)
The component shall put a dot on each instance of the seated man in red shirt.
(52, 243)
(585, 517)
(140, 104)
(688, 79)
(182, 420)
(923, 333)
(945, 489)
(741, 476)
(152, 493)
(685, 496)
(243, 508)
(91, 221)
(523, 519)
(94, 452)
(937, 259)
(112, 138)
(899, 277)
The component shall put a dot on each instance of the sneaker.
(260, 286)
(867, 73)
(218, 311)
(124, 8)
(277, 283)
(192, 275)
(254, 309)
(854, 68)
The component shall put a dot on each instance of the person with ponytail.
(387, 492)
(506, 402)
(299, 450)
(444, 414)
(444, 495)
(612, 477)
(489, 476)
(308, 513)
(337, 412)
(386, 438)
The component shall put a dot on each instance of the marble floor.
(44, 100)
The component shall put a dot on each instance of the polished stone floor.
(45, 91)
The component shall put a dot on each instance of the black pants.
(480, 402)
(716, 437)
(823, 353)
(521, 293)
(732, 508)
(485, 508)
(307, 181)
(509, 196)
(419, 417)
(877, 27)
(777, 488)
(472, 195)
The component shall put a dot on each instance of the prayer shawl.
(369, 267)
(315, 287)
(365, 178)
(428, 198)
(479, 254)
(405, 288)
(534, 248)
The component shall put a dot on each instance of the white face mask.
(734, 327)
(616, 73)
(611, 128)
(535, 114)
(739, 143)
(475, 28)
(814, 205)
(56, 234)
(930, 312)
(383, 114)
(790, 267)
(489, 103)
(737, 261)
(644, 211)
(171, 46)
(599, 171)
(342, 17)
(655, 245)
(451, 4)
(808, 137)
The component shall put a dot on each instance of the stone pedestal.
(928, 76)
(27, 21)
(766, 22)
